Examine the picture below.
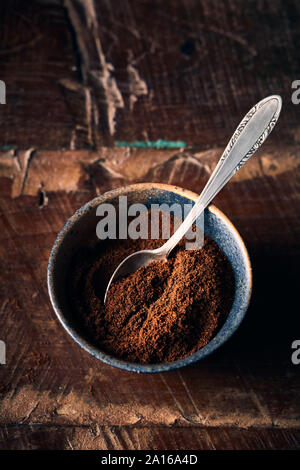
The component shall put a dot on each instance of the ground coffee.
(164, 311)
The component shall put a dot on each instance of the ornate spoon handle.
(248, 137)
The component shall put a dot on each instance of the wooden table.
(85, 79)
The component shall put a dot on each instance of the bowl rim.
(94, 350)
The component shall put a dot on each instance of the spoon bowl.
(133, 262)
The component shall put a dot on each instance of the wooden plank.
(145, 438)
(37, 172)
(183, 71)
(86, 74)
(48, 380)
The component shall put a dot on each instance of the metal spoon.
(248, 137)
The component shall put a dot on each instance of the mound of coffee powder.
(162, 312)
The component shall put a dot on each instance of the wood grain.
(139, 438)
(80, 76)
(86, 74)
(249, 384)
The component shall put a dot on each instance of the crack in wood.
(21, 160)
(102, 93)
(29, 414)
(43, 201)
(86, 30)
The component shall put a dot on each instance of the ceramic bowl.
(80, 230)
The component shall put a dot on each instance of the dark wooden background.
(82, 76)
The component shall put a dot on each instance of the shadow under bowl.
(80, 231)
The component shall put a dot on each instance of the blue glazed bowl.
(80, 230)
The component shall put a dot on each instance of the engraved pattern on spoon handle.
(238, 133)
(255, 147)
